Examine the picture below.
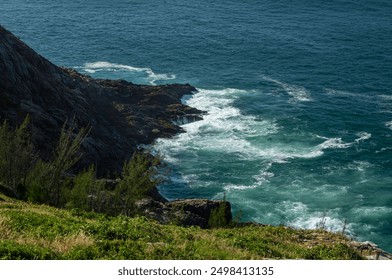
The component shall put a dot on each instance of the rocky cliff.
(122, 115)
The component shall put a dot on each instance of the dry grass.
(65, 244)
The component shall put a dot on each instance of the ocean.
(298, 94)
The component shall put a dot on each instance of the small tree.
(217, 217)
(82, 187)
(87, 192)
(46, 179)
(137, 180)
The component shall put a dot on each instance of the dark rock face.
(122, 115)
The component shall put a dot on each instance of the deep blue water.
(299, 95)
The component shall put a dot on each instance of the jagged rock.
(122, 115)
(371, 250)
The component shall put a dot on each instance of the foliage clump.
(25, 176)
(47, 180)
(218, 217)
(87, 193)
(137, 181)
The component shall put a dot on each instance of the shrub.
(218, 217)
(335, 252)
(10, 250)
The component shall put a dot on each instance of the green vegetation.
(30, 231)
(137, 181)
(25, 176)
(46, 181)
(218, 217)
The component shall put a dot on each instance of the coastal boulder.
(209, 211)
(188, 212)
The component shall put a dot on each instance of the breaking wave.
(135, 74)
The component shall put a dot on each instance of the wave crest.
(147, 73)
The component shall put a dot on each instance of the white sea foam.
(299, 93)
(376, 211)
(283, 154)
(317, 220)
(225, 129)
(300, 216)
(383, 149)
(338, 143)
(103, 65)
(360, 165)
(343, 93)
(389, 125)
(223, 116)
(334, 143)
(230, 187)
(150, 75)
(385, 97)
(362, 136)
(263, 177)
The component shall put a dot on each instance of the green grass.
(30, 231)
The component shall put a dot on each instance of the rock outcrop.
(122, 115)
(187, 212)
(371, 251)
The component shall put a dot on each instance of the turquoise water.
(298, 94)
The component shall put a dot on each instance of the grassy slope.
(29, 231)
